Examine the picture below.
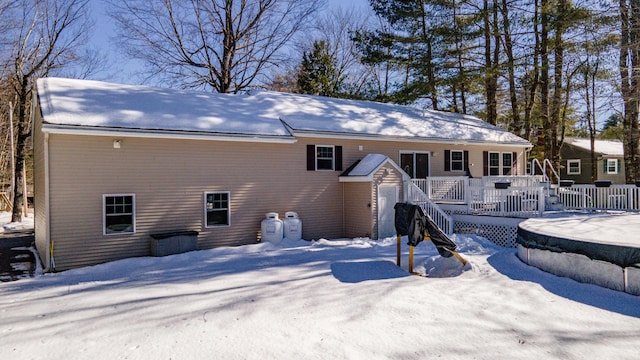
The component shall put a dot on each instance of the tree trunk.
(543, 136)
(516, 127)
(490, 67)
(629, 62)
(559, 26)
(19, 192)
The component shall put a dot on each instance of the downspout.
(50, 265)
(344, 230)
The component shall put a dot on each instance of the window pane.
(494, 159)
(406, 162)
(217, 217)
(325, 164)
(118, 224)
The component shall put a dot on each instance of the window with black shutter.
(324, 157)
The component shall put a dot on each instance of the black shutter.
(447, 160)
(311, 157)
(338, 158)
(466, 160)
(485, 163)
(604, 166)
(514, 164)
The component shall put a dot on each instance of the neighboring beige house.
(115, 164)
(575, 157)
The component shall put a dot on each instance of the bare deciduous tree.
(223, 45)
(41, 35)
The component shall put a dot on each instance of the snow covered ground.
(339, 299)
(7, 225)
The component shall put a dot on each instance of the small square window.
(573, 167)
(217, 209)
(119, 214)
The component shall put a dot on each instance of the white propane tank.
(272, 228)
(292, 226)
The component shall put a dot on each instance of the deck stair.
(552, 201)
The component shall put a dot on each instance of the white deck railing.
(444, 188)
(417, 196)
(590, 197)
(525, 195)
(513, 201)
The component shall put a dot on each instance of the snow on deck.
(87, 103)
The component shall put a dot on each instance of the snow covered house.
(575, 155)
(116, 164)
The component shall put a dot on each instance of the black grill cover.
(401, 220)
(411, 220)
(443, 244)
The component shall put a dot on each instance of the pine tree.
(318, 74)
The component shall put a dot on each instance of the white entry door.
(387, 198)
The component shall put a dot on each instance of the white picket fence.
(590, 197)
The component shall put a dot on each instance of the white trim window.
(217, 209)
(324, 157)
(457, 160)
(119, 213)
(573, 167)
(507, 163)
(611, 166)
(500, 163)
(494, 163)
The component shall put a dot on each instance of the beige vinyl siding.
(170, 176)
(357, 207)
(39, 196)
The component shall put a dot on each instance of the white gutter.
(165, 134)
(374, 137)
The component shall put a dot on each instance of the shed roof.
(86, 104)
(604, 147)
(364, 169)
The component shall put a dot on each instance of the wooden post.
(411, 258)
(398, 251)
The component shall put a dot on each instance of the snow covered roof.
(93, 104)
(604, 147)
(364, 169)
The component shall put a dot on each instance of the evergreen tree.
(612, 128)
(318, 74)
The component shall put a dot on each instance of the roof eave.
(164, 134)
(377, 137)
